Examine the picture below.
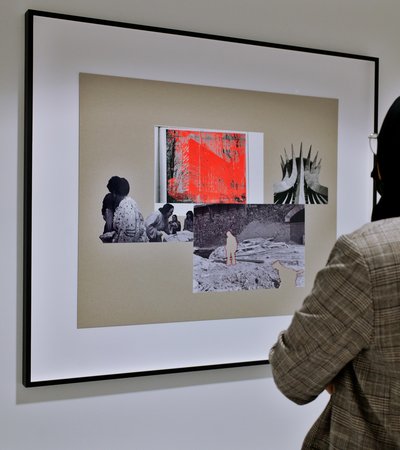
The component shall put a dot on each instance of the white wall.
(216, 410)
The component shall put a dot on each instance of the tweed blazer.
(348, 332)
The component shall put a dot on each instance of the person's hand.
(107, 237)
(330, 388)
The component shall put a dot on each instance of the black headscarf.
(388, 159)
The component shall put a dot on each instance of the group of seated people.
(125, 223)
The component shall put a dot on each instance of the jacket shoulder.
(387, 228)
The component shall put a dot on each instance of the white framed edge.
(58, 48)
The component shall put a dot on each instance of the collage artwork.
(192, 210)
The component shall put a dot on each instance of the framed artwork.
(181, 192)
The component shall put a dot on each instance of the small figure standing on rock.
(231, 248)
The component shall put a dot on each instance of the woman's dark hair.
(388, 152)
(123, 187)
(166, 208)
(189, 215)
(386, 165)
(113, 183)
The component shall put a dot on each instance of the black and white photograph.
(124, 222)
(300, 180)
(248, 247)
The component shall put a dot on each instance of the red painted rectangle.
(206, 167)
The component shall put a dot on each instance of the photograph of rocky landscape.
(247, 247)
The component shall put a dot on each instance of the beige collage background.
(130, 284)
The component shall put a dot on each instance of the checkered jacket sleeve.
(348, 332)
(334, 324)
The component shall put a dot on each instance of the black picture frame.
(34, 371)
